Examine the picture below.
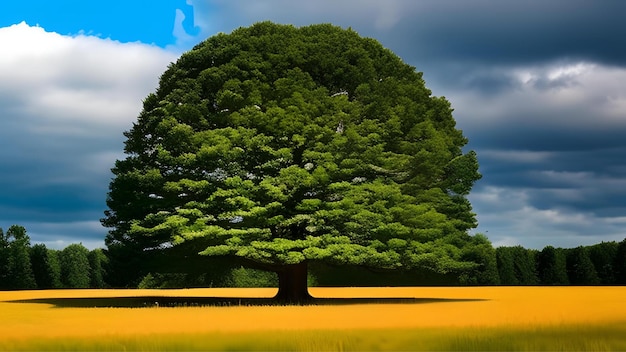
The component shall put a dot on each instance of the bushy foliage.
(552, 267)
(580, 268)
(46, 266)
(97, 261)
(603, 256)
(619, 263)
(75, 270)
(482, 252)
(284, 145)
(246, 277)
(17, 272)
(234, 277)
(583, 265)
(517, 266)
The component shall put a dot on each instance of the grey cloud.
(508, 217)
(530, 135)
(452, 40)
(583, 114)
(515, 32)
(599, 171)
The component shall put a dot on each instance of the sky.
(538, 88)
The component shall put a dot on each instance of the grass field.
(430, 318)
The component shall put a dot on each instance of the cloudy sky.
(538, 87)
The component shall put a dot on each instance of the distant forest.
(27, 266)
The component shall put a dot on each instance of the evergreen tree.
(552, 268)
(97, 260)
(282, 146)
(620, 263)
(516, 266)
(525, 266)
(580, 269)
(46, 268)
(19, 270)
(5, 263)
(55, 267)
(506, 266)
(603, 258)
(75, 268)
(127, 264)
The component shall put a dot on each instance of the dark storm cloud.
(488, 84)
(551, 147)
(456, 43)
(582, 191)
(54, 180)
(512, 32)
(52, 203)
(517, 134)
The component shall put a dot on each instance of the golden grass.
(591, 318)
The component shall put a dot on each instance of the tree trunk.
(292, 284)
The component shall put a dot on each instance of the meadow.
(398, 318)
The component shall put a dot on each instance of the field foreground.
(446, 318)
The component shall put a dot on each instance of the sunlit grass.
(462, 318)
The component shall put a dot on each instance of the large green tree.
(282, 145)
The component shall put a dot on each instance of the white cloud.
(570, 71)
(72, 84)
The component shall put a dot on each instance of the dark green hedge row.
(26, 266)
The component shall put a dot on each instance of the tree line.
(26, 266)
(599, 264)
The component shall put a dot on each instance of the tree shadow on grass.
(177, 301)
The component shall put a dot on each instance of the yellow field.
(592, 318)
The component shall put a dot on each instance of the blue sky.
(126, 21)
(537, 87)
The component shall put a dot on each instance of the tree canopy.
(75, 269)
(282, 145)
